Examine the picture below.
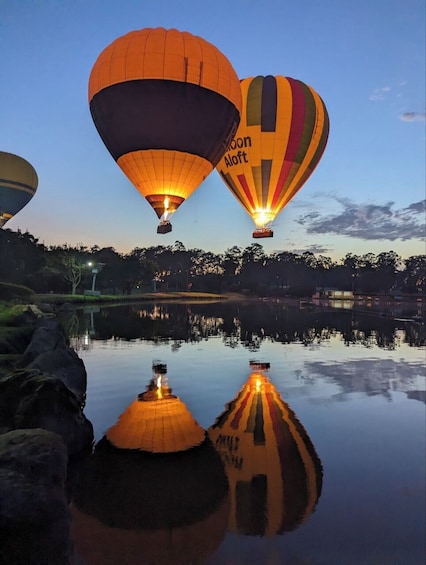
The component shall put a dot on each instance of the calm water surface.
(323, 452)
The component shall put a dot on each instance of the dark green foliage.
(62, 269)
(10, 291)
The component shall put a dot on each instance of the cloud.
(314, 248)
(413, 117)
(369, 221)
(379, 93)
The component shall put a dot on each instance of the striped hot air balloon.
(281, 137)
(166, 104)
(274, 473)
(18, 184)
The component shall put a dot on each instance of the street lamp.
(96, 268)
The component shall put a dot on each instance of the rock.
(65, 364)
(46, 309)
(48, 335)
(30, 399)
(34, 513)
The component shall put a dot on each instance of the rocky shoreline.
(43, 436)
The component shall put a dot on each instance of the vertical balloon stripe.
(221, 421)
(308, 126)
(254, 102)
(251, 506)
(255, 420)
(266, 177)
(297, 119)
(259, 432)
(286, 166)
(246, 189)
(257, 181)
(322, 124)
(315, 465)
(230, 182)
(293, 473)
(296, 131)
(236, 419)
(251, 420)
(269, 104)
(300, 173)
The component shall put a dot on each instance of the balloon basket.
(263, 232)
(165, 227)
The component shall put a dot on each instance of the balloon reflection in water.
(165, 501)
(274, 473)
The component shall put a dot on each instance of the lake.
(305, 427)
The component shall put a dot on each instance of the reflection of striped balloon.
(281, 137)
(274, 472)
(166, 104)
(18, 184)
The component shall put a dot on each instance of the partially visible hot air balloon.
(18, 184)
(157, 421)
(274, 472)
(166, 104)
(154, 490)
(281, 137)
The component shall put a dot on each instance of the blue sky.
(366, 59)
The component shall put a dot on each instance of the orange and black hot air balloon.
(281, 137)
(166, 104)
(18, 184)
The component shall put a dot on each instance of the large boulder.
(34, 513)
(49, 352)
(48, 336)
(30, 399)
(65, 364)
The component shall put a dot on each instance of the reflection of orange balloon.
(154, 490)
(18, 184)
(166, 104)
(279, 142)
(274, 473)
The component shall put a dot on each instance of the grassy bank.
(143, 297)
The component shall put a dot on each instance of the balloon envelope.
(281, 137)
(18, 184)
(166, 104)
(274, 472)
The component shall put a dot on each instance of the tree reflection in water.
(243, 323)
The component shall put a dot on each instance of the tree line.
(74, 269)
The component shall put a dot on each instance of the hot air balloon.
(154, 490)
(281, 137)
(157, 421)
(18, 184)
(166, 104)
(274, 473)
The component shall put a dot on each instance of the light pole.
(95, 270)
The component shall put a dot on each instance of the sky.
(366, 59)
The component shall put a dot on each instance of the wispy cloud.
(369, 221)
(413, 117)
(315, 249)
(379, 94)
